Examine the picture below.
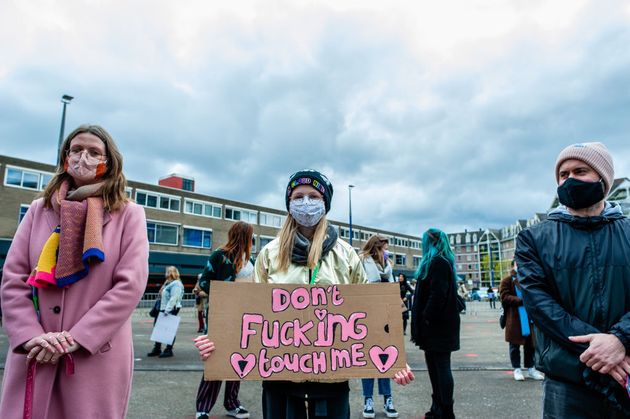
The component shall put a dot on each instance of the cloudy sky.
(446, 114)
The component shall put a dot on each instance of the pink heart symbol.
(383, 359)
(242, 365)
(321, 313)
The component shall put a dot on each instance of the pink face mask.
(85, 168)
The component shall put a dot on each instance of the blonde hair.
(374, 249)
(286, 236)
(114, 182)
(172, 273)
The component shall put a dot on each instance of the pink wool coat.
(96, 311)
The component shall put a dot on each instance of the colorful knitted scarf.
(76, 242)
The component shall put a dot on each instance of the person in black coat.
(406, 291)
(435, 319)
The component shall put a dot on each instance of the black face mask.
(578, 194)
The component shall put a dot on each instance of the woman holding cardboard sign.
(306, 251)
(228, 263)
(435, 318)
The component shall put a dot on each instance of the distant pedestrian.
(517, 333)
(378, 269)
(491, 298)
(406, 295)
(201, 306)
(171, 294)
(574, 270)
(228, 263)
(75, 271)
(435, 321)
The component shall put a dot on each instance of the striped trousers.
(209, 391)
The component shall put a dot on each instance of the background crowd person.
(406, 295)
(171, 294)
(378, 269)
(201, 305)
(514, 335)
(76, 270)
(491, 297)
(435, 318)
(574, 271)
(227, 263)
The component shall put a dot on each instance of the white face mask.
(306, 211)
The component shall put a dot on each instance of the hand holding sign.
(404, 377)
(204, 346)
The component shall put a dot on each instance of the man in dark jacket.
(574, 270)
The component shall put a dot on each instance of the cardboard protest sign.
(299, 332)
(165, 328)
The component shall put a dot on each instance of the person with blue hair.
(435, 318)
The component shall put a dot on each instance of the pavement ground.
(484, 387)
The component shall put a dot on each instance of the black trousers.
(439, 366)
(286, 400)
(528, 354)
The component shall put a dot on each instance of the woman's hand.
(49, 347)
(204, 346)
(404, 376)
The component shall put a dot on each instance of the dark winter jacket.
(218, 268)
(435, 319)
(575, 277)
(511, 302)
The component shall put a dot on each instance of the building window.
(401, 259)
(27, 179)
(254, 243)
(205, 209)
(23, 209)
(187, 184)
(159, 233)
(344, 233)
(129, 192)
(197, 237)
(271, 220)
(158, 201)
(264, 240)
(238, 214)
(416, 261)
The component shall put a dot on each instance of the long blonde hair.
(287, 238)
(172, 274)
(114, 182)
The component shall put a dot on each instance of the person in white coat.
(378, 268)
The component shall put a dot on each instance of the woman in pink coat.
(81, 253)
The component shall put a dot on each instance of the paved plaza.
(484, 387)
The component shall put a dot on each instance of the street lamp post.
(65, 99)
(350, 210)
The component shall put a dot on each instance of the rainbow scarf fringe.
(63, 261)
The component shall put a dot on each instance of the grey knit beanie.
(595, 155)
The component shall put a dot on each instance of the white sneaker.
(368, 408)
(388, 407)
(535, 374)
(239, 413)
(518, 375)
